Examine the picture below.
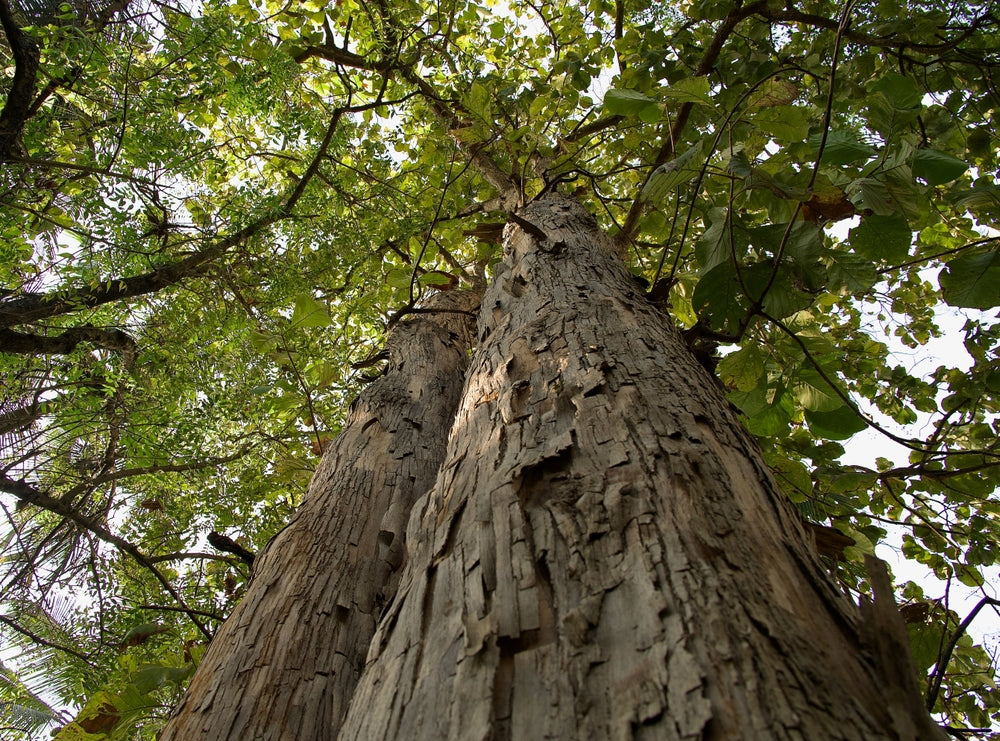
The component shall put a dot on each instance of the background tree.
(209, 212)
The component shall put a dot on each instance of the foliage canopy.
(209, 211)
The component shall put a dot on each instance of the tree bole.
(284, 665)
(604, 554)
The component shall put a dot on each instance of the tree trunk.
(284, 665)
(604, 554)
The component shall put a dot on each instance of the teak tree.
(603, 554)
(608, 282)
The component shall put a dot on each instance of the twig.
(937, 676)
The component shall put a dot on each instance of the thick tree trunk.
(284, 665)
(604, 554)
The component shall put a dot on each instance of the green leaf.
(901, 91)
(627, 102)
(813, 392)
(768, 410)
(436, 278)
(669, 176)
(774, 418)
(970, 576)
(772, 93)
(926, 640)
(718, 298)
(399, 277)
(154, 676)
(326, 373)
(937, 168)
(804, 242)
(690, 90)
(853, 272)
(479, 102)
(752, 401)
(849, 480)
(761, 178)
(983, 196)
(721, 242)
(841, 148)
(972, 280)
(882, 238)
(262, 341)
(782, 298)
(836, 425)
(794, 478)
(787, 124)
(869, 194)
(309, 312)
(743, 369)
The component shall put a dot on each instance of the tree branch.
(34, 306)
(669, 148)
(22, 88)
(35, 638)
(937, 676)
(29, 494)
(505, 184)
(109, 475)
(102, 171)
(337, 55)
(34, 344)
(791, 15)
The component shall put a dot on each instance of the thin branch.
(56, 165)
(29, 494)
(911, 444)
(112, 476)
(845, 18)
(938, 255)
(937, 676)
(190, 555)
(35, 638)
(505, 184)
(34, 306)
(908, 471)
(791, 15)
(669, 147)
(172, 608)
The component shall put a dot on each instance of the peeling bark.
(285, 664)
(604, 554)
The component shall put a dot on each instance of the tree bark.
(604, 554)
(284, 665)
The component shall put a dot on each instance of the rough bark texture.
(604, 554)
(284, 665)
